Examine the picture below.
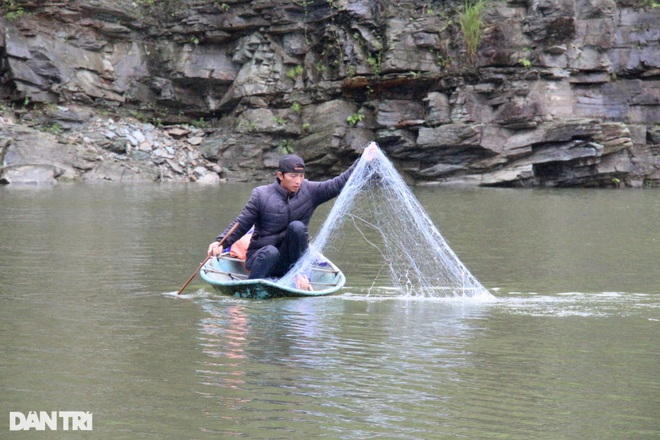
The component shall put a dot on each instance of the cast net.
(377, 201)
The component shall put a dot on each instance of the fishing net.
(377, 199)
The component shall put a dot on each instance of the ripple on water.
(565, 304)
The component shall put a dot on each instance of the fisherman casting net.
(419, 260)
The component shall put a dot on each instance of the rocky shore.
(92, 147)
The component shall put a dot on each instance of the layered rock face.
(556, 93)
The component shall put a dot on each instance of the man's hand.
(215, 248)
(370, 152)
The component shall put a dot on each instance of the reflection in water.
(340, 360)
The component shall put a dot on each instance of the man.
(280, 213)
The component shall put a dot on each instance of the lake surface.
(568, 349)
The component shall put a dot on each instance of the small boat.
(228, 276)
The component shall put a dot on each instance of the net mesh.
(377, 201)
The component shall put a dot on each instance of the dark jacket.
(271, 208)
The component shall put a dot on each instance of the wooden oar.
(208, 257)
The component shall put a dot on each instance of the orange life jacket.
(239, 248)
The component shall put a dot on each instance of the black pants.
(272, 261)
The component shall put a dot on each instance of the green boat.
(228, 276)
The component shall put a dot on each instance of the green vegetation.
(248, 126)
(294, 72)
(285, 146)
(198, 123)
(280, 121)
(355, 118)
(471, 22)
(53, 128)
(13, 11)
(305, 4)
(296, 107)
(375, 62)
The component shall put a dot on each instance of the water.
(569, 349)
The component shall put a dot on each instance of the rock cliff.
(549, 93)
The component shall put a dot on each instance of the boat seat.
(233, 276)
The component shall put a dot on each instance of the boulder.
(30, 174)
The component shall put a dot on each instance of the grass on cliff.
(471, 21)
